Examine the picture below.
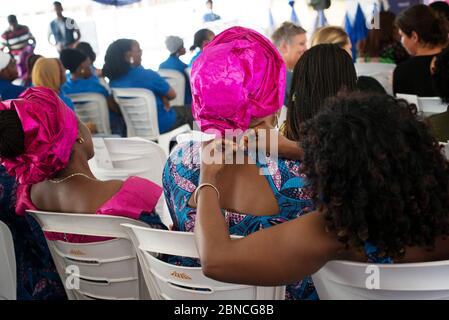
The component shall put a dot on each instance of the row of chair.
(128, 267)
(138, 107)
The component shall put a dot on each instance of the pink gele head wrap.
(239, 76)
(50, 129)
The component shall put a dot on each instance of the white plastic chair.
(194, 136)
(139, 110)
(107, 270)
(8, 277)
(92, 107)
(433, 105)
(342, 280)
(426, 105)
(382, 72)
(120, 158)
(178, 82)
(166, 281)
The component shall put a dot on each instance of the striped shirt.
(16, 40)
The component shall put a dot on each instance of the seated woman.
(240, 94)
(8, 73)
(201, 38)
(380, 185)
(87, 49)
(322, 72)
(82, 80)
(424, 35)
(50, 73)
(333, 35)
(123, 68)
(440, 76)
(338, 36)
(176, 47)
(47, 149)
(383, 44)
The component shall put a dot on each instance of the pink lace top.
(137, 196)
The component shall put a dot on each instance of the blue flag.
(320, 20)
(293, 16)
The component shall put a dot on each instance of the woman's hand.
(271, 142)
(214, 155)
(166, 103)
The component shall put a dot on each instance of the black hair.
(440, 76)
(87, 49)
(115, 64)
(57, 4)
(71, 59)
(12, 137)
(377, 174)
(12, 19)
(441, 7)
(431, 28)
(370, 84)
(322, 71)
(200, 36)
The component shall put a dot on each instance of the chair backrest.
(194, 135)
(92, 107)
(361, 281)
(426, 105)
(382, 72)
(120, 158)
(166, 281)
(139, 109)
(445, 146)
(99, 270)
(8, 277)
(429, 106)
(178, 82)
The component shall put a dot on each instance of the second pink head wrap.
(240, 75)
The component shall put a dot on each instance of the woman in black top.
(424, 34)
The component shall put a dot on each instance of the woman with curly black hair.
(440, 76)
(123, 67)
(381, 186)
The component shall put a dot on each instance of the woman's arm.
(278, 255)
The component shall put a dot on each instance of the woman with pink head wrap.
(238, 83)
(239, 78)
(46, 148)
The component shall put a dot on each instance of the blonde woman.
(334, 35)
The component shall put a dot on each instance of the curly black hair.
(377, 173)
(115, 64)
(440, 75)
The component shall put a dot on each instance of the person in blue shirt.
(201, 38)
(210, 16)
(123, 67)
(87, 49)
(176, 47)
(8, 73)
(82, 80)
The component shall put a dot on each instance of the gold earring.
(80, 140)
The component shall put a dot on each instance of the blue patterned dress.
(37, 278)
(181, 177)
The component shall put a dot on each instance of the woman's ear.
(414, 37)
